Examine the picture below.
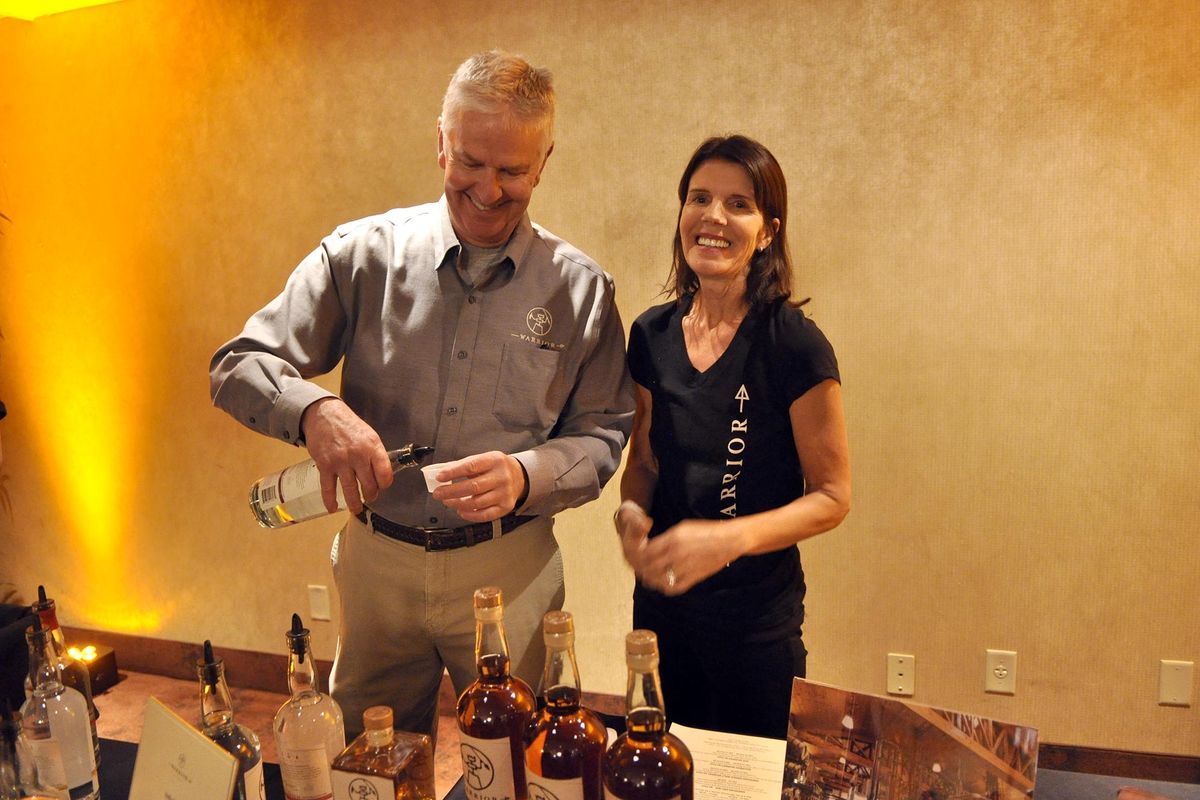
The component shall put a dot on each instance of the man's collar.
(515, 249)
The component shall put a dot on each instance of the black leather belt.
(440, 538)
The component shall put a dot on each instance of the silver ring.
(670, 578)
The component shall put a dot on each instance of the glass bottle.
(294, 494)
(646, 762)
(564, 750)
(384, 763)
(216, 721)
(494, 711)
(55, 732)
(308, 728)
(72, 671)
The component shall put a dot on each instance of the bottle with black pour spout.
(293, 494)
(309, 732)
(217, 723)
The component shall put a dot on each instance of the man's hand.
(346, 449)
(633, 527)
(482, 487)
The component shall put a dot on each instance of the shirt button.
(253, 420)
(433, 520)
(462, 354)
(451, 411)
(472, 299)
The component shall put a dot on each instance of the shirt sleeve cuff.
(289, 409)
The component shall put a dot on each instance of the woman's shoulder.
(790, 327)
(657, 318)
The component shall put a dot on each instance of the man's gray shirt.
(531, 362)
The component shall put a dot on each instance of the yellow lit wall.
(993, 206)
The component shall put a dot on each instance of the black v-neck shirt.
(723, 437)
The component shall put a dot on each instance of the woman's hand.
(687, 553)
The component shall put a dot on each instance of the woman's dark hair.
(770, 275)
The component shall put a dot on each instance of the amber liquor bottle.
(646, 762)
(494, 711)
(564, 750)
(383, 763)
(217, 723)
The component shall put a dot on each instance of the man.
(463, 326)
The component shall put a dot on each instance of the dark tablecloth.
(116, 771)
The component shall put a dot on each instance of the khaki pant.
(407, 614)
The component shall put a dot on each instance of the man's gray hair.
(497, 81)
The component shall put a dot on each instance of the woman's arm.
(696, 549)
(632, 519)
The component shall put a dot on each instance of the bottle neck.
(216, 708)
(491, 646)
(302, 673)
(379, 737)
(43, 663)
(646, 714)
(560, 680)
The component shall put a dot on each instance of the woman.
(738, 450)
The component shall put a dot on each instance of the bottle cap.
(558, 630)
(489, 604)
(297, 638)
(378, 718)
(209, 667)
(641, 650)
(488, 597)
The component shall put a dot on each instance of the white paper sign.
(177, 762)
(730, 766)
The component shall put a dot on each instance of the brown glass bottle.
(646, 762)
(494, 711)
(564, 746)
(384, 763)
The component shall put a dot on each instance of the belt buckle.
(431, 544)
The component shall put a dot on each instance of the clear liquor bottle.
(18, 780)
(384, 763)
(293, 494)
(54, 725)
(646, 762)
(564, 750)
(217, 723)
(494, 711)
(309, 732)
(72, 671)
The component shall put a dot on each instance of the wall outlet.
(318, 602)
(901, 673)
(1174, 683)
(1001, 675)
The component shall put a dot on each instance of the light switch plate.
(1175, 683)
(318, 602)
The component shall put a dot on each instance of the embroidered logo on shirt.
(539, 321)
(734, 449)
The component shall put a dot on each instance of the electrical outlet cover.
(1001, 675)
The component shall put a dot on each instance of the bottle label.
(554, 788)
(47, 758)
(252, 780)
(352, 786)
(305, 774)
(487, 768)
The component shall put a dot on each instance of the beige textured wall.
(994, 207)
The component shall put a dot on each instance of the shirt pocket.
(529, 393)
